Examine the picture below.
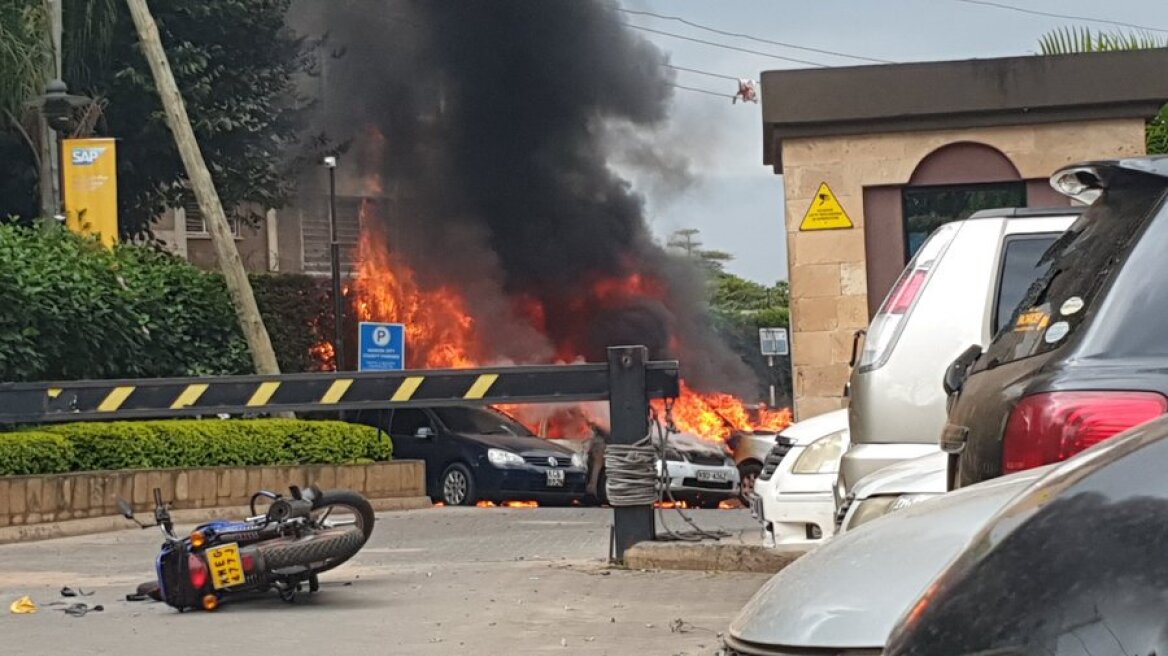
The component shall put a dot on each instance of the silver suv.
(959, 289)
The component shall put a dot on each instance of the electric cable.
(1051, 14)
(749, 37)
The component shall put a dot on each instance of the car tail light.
(889, 321)
(1051, 427)
(906, 293)
(198, 571)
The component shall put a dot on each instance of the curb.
(709, 557)
(110, 523)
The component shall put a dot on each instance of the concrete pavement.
(442, 581)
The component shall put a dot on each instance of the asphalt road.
(442, 581)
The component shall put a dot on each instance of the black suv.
(1085, 355)
(475, 454)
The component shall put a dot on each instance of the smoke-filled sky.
(489, 129)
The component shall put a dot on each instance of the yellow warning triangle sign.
(825, 212)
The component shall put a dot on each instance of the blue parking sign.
(382, 347)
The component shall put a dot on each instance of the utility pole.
(238, 286)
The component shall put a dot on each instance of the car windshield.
(1080, 264)
(479, 421)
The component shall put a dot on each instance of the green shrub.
(78, 310)
(32, 452)
(189, 443)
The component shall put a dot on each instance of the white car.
(700, 473)
(893, 488)
(793, 495)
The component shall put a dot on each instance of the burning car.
(699, 472)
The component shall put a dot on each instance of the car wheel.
(457, 486)
(748, 473)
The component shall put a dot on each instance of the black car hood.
(517, 443)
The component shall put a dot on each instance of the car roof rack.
(1028, 212)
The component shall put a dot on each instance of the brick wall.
(828, 268)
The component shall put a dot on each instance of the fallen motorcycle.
(283, 548)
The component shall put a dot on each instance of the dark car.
(1085, 355)
(475, 454)
(1074, 565)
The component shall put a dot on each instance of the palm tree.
(1070, 40)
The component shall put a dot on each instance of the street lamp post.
(56, 107)
(335, 256)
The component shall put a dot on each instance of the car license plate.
(711, 476)
(226, 566)
(555, 478)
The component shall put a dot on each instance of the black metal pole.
(335, 256)
(628, 405)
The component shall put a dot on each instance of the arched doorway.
(952, 183)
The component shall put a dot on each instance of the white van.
(959, 289)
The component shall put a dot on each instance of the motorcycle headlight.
(578, 460)
(821, 456)
(501, 458)
(877, 507)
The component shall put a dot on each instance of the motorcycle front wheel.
(340, 508)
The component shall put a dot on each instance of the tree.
(238, 286)
(1070, 40)
(685, 240)
(237, 65)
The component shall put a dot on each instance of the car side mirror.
(958, 371)
(125, 508)
(424, 432)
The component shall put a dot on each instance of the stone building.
(902, 148)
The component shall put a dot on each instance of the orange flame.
(323, 354)
(440, 333)
(716, 415)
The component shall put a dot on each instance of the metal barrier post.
(628, 404)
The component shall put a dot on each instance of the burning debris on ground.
(491, 222)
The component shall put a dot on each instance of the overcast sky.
(736, 201)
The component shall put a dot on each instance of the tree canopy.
(236, 63)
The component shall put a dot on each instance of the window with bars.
(195, 222)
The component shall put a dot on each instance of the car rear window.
(1022, 264)
(1078, 265)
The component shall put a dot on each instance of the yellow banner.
(90, 172)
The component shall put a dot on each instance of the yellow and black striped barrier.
(96, 400)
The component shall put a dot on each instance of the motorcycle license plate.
(226, 566)
(711, 476)
(555, 478)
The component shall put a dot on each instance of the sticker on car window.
(1032, 320)
(1071, 306)
(1057, 331)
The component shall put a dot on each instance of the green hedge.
(188, 443)
(73, 309)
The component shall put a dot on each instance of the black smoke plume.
(495, 175)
